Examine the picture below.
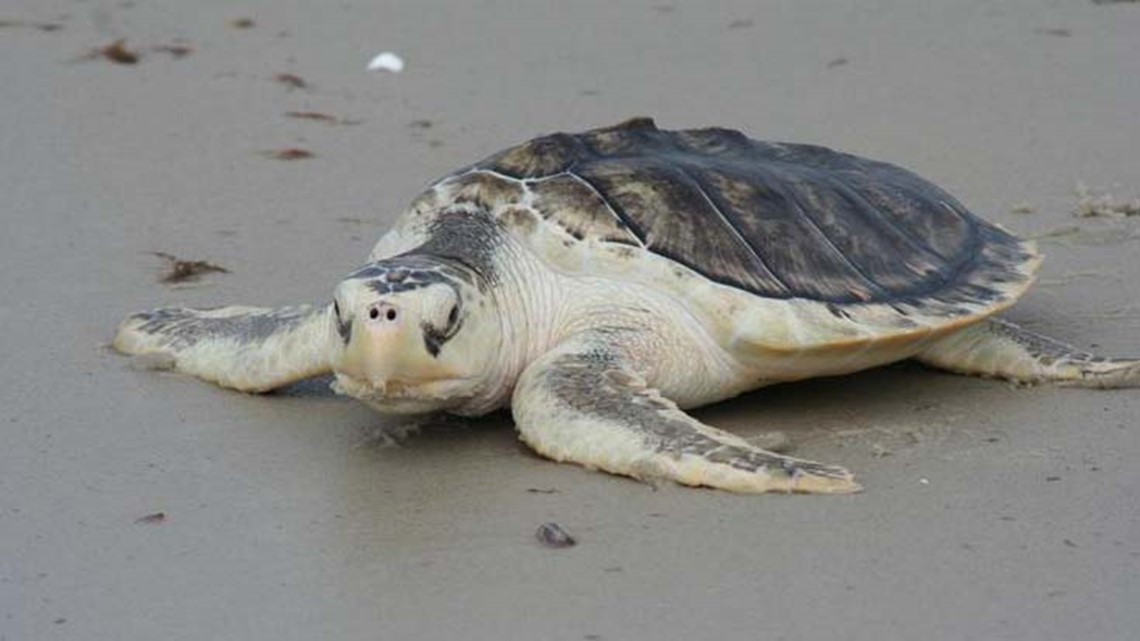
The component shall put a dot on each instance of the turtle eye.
(453, 315)
(336, 309)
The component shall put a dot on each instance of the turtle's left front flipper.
(247, 348)
(585, 403)
(1001, 349)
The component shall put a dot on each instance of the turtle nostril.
(383, 311)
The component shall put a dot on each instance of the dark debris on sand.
(321, 117)
(181, 271)
(292, 153)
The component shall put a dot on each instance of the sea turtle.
(598, 283)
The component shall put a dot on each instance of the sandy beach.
(148, 505)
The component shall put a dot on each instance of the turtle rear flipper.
(251, 349)
(584, 403)
(998, 348)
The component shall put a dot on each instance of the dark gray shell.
(774, 219)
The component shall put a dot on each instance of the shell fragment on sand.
(553, 536)
(386, 61)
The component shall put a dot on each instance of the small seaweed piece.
(291, 80)
(311, 115)
(46, 27)
(321, 117)
(118, 53)
(181, 271)
(175, 50)
(292, 153)
(242, 23)
(153, 518)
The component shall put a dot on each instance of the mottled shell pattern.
(776, 247)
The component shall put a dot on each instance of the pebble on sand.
(386, 61)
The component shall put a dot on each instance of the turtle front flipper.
(247, 348)
(585, 403)
(998, 348)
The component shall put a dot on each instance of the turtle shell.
(871, 244)
(775, 219)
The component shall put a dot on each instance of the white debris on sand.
(386, 61)
(1090, 205)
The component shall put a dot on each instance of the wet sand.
(990, 512)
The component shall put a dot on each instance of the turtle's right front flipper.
(247, 348)
(584, 403)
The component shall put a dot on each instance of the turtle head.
(413, 334)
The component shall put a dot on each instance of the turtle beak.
(388, 354)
